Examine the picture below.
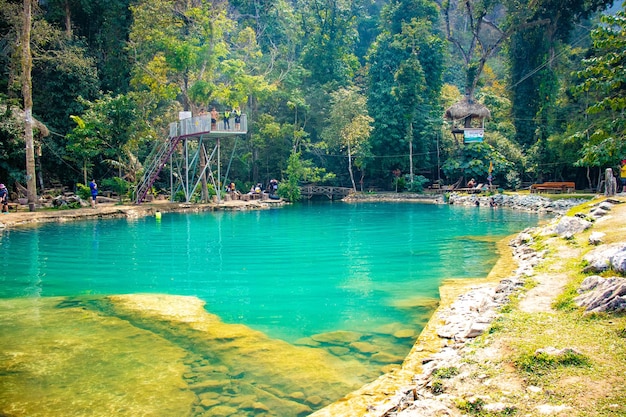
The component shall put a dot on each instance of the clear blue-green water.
(290, 273)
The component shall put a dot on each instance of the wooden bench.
(553, 187)
(12, 207)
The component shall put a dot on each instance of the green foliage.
(83, 191)
(417, 185)
(179, 196)
(299, 170)
(603, 79)
(565, 300)
(117, 184)
(349, 128)
(473, 161)
(437, 384)
(399, 184)
(405, 80)
(472, 406)
(286, 63)
(289, 191)
(446, 373)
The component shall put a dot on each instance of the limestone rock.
(607, 257)
(364, 347)
(552, 351)
(569, 226)
(404, 334)
(600, 294)
(221, 411)
(340, 337)
(596, 238)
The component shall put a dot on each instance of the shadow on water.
(161, 355)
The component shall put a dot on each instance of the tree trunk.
(411, 152)
(27, 65)
(350, 167)
(68, 20)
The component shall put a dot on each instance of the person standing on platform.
(93, 187)
(213, 119)
(227, 120)
(237, 115)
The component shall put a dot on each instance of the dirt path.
(549, 284)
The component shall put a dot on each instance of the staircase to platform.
(153, 166)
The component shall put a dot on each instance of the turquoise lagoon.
(248, 313)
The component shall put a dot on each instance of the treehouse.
(468, 120)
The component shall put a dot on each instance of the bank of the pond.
(484, 351)
(23, 217)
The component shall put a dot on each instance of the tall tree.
(603, 80)
(330, 34)
(533, 54)
(405, 79)
(349, 128)
(27, 66)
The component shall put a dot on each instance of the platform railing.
(202, 124)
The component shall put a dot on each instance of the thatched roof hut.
(467, 108)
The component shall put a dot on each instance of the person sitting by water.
(273, 186)
(471, 183)
(232, 190)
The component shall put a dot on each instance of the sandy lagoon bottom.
(164, 355)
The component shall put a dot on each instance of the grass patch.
(437, 385)
(475, 407)
(446, 373)
(565, 300)
(540, 363)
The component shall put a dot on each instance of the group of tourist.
(235, 114)
(256, 189)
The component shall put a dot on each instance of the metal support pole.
(219, 178)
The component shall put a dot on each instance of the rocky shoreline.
(524, 202)
(24, 218)
(446, 377)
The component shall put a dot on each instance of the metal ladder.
(156, 162)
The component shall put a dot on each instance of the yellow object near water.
(157, 215)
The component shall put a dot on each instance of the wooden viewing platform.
(186, 170)
(201, 125)
(332, 193)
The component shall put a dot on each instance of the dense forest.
(341, 92)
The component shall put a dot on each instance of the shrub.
(83, 191)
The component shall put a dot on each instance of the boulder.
(570, 225)
(602, 294)
(596, 238)
(606, 257)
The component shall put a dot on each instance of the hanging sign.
(474, 135)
